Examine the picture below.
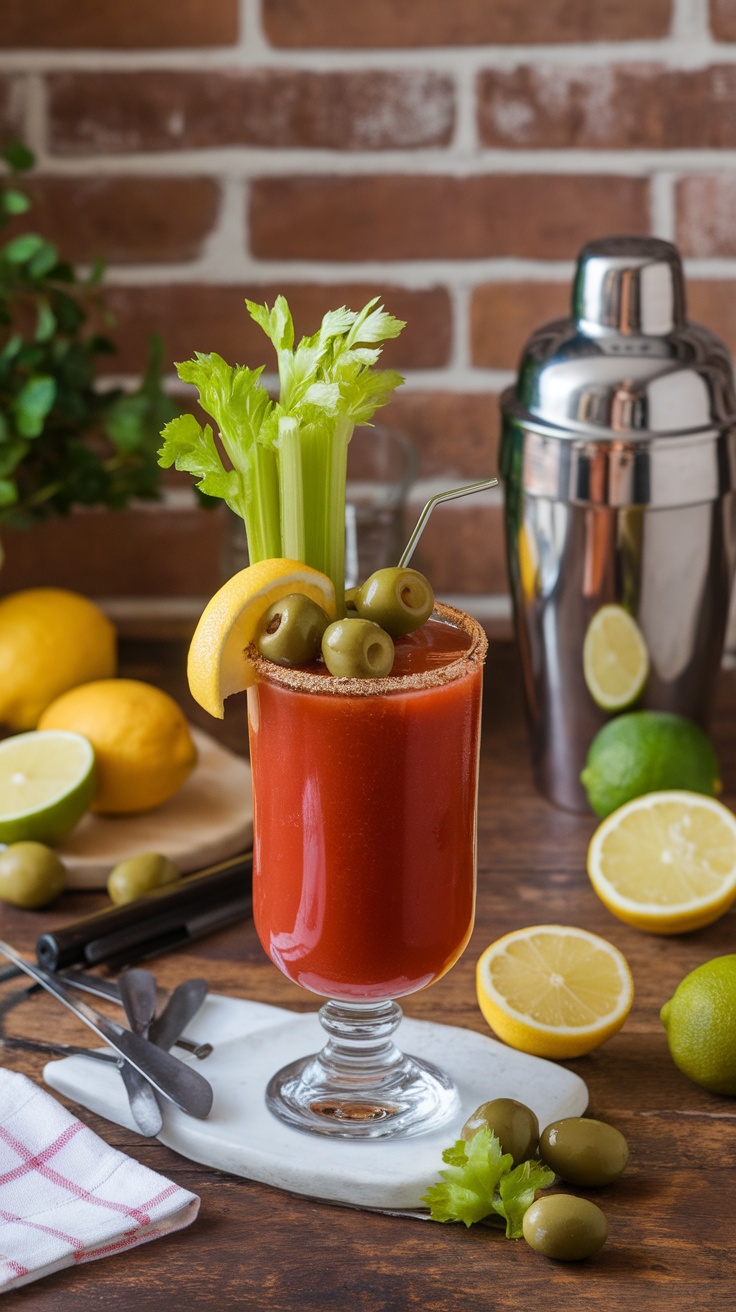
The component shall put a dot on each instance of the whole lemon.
(143, 748)
(50, 640)
(700, 1020)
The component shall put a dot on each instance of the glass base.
(360, 1086)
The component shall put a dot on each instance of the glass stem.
(360, 1047)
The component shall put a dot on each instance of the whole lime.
(648, 752)
(700, 1020)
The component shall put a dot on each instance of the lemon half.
(47, 781)
(666, 862)
(217, 666)
(553, 990)
(615, 659)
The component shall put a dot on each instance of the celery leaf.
(471, 1182)
(479, 1181)
(190, 447)
(517, 1192)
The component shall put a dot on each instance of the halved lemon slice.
(553, 990)
(217, 665)
(47, 782)
(615, 658)
(666, 861)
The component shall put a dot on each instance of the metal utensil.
(182, 1006)
(451, 494)
(138, 993)
(57, 1049)
(170, 1077)
(108, 988)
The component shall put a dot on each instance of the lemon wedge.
(666, 862)
(553, 990)
(615, 658)
(217, 666)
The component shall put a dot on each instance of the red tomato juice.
(365, 806)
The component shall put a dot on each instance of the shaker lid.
(627, 362)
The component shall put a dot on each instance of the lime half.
(47, 781)
(615, 659)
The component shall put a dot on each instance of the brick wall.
(451, 156)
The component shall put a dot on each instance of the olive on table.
(513, 1123)
(565, 1228)
(583, 1151)
(139, 875)
(400, 600)
(31, 875)
(291, 630)
(357, 649)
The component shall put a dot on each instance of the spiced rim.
(330, 685)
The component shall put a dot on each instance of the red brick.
(175, 110)
(426, 217)
(12, 100)
(705, 214)
(124, 219)
(723, 19)
(455, 433)
(202, 317)
(123, 25)
(713, 303)
(624, 107)
(462, 549)
(384, 23)
(159, 551)
(504, 314)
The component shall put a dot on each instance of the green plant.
(64, 439)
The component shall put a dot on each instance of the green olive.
(565, 1228)
(139, 875)
(584, 1152)
(31, 875)
(357, 649)
(400, 600)
(514, 1125)
(291, 630)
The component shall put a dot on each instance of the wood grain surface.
(670, 1216)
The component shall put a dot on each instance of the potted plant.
(65, 439)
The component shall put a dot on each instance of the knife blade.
(138, 992)
(169, 1076)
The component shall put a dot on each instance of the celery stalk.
(288, 457)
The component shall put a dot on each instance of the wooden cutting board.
(208, 820)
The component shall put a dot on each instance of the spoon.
(138, 995)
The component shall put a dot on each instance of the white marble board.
(252, 1041)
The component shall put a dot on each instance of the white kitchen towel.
(65, 1195)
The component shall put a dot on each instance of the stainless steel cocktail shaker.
(619, 462)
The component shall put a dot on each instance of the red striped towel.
(65, 1195)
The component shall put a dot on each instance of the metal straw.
(451, 494)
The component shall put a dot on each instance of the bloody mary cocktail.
(365, 802)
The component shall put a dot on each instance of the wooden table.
(671, 1216)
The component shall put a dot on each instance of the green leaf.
(8, 492)
(517, 1192)
(190, 447)
(18, 156)
(43, 261)
(11, 454)
(467, 1188)
(45, 322)
(33, 403)
(125, 422)
(23, 248)
(14, 202)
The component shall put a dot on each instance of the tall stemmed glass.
(365, 795)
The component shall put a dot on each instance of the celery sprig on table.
(288, 457)
(480, 1181)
